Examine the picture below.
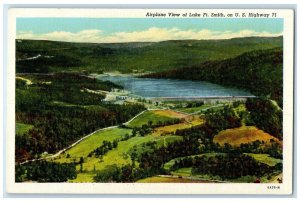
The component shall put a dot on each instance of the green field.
(89, 144)
(202, 108)
(158, 179)
(170, 163)
(146, 117)
(187, 172)
(119, 156)
(22, 128)
(265, 158)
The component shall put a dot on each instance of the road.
(81, 139)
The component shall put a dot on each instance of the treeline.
(227, 166)
(227, 118)
(150, 161)
(260, 72)
(44, 171)
(61, 113)
(150, 126)
(130, 57)
(107, 146)
(43, 64)
(266, 115)
(104, 148)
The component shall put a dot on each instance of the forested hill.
(260, 72)
(50, 56)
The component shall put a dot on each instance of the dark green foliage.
(260, 72)
(104, 148)
(43, 64)
(229, 166)
(221, 120)
(114, 173)
(61, 113)
(148, 128)
(43, 171)
(266, 115)
(129, 57)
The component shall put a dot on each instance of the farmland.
(244, 134)
(119, 156)
(153, 116)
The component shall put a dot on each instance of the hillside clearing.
(22, 128)
(244, 134)
(170, 113)
(148, 116)
(265, 158)
(159, 179)
(165, 130)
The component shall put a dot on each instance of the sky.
(114, 30)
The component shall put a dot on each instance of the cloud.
(152, 34)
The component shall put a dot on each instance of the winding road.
(81, 139)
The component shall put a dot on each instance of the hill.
(244, 134)
(260, 72)
(52, 56)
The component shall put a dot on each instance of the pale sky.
(108, 30)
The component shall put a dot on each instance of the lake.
(171, 88)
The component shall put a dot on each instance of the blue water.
(158, 88)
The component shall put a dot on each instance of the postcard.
(150, 101)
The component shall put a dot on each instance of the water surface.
(171, 88)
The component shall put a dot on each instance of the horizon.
(151, 41)
(126, 30)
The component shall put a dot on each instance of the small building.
(121, 97)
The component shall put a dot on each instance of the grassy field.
(244, 134)
(201, 109)
(265, 158)
(170, 113)
(169, 164)
(165, 130)
(119, 156)
(92, 142)
(193, 109)
(158, 179)
(149, 116)
(22, 128)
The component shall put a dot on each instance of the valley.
(183, 120)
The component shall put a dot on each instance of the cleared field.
(22, 128)
(158, 179)
(147, 116)
(265, 158)
(194, 109)
(187, 172)
(244, 134)
(201, 109)
(170, 163)
(183, 172)
(119, 156)
(84, 177)
(92, 142)
(190, 122)
(170, 113)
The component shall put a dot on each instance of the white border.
(139, 188)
